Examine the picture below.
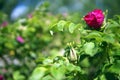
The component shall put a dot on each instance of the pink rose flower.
(30, 16)
(20, 39)
(95, 18)
(1, 77)
(4, 24)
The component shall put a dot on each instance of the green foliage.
(19, 59)
(57, 69)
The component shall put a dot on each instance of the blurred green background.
(19, 8)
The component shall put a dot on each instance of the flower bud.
(73, 55)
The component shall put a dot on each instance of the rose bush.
(95, 57)
(37, 42)
(95, 18)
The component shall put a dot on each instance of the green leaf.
(31, 29)
(89, 48)
(58, 72)
(85, 62)
(115, 68)
(48, 77)
(108, 38)
(47, 61)
(100, 77)
(71, 67)
(72, 27)
(114, 22)
(118, 16)
(18, 76)
(60, 25)
(51, 32)
(96, 35)
(9, 45)
(38, 73)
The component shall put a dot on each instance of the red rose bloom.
(95, 18)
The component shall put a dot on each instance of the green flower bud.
(73, 55)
